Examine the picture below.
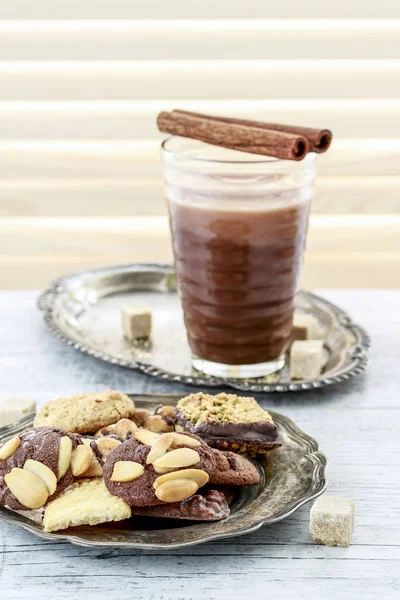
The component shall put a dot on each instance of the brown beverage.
(238, 253)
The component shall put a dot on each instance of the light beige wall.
(82, 82)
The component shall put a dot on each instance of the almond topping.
(163, 470)
(197, 475)
(81, 459)
(45, 474)
(9, 447)
(126, 470)
(177, 459)
(64, 455)
(146, 437)
(106, 444)
(184, 440)
(176, 490)
(160, 447)
(27, 487)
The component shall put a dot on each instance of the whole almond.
(146, 437)
(45, 474)
(106, 444)
(177, 459)
(27, 487)
(184, 440)
(81, 459)
(197, 475)
(176, 490)
(159, 447)
(64, 455)
(126, 470)
(9, 447)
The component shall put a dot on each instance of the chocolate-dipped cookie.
(152, 469)
(37, 465)
(229, 422)
(233, 469)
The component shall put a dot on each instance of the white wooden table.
(357, 425)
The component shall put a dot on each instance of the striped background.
(81, 82)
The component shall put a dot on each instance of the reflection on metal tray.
(293, 475)
(83, 310)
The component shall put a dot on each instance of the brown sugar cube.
(304, 327)
(136, 320)
(306, 359)
(332, 521)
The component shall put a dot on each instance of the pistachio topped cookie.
(229, 422)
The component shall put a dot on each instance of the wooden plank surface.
(350, 421)
(142, 158)
(208, 9)
(342, 250)
(131, 119)
(111, 236)
(146, 196)
(194, 79)
(199, 39)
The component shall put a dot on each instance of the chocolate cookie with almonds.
(38, 464)
(152, 469)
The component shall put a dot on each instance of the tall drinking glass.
(239, 225)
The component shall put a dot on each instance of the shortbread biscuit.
(87, 502)
(85, 413)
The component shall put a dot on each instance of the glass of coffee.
(239, 225)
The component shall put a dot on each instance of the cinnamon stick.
(319, 139)
(241, 137)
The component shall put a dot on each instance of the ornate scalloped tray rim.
(312, 453)
(359, 353)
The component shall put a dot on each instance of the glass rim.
(266, 159)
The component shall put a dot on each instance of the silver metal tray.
(293, 475)
(83, 310)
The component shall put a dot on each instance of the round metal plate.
(83, 310)
(293, 475)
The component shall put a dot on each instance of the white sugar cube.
(13, 410)
(136, 320)
(332, 521)
(305, 327)
(306, 359)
